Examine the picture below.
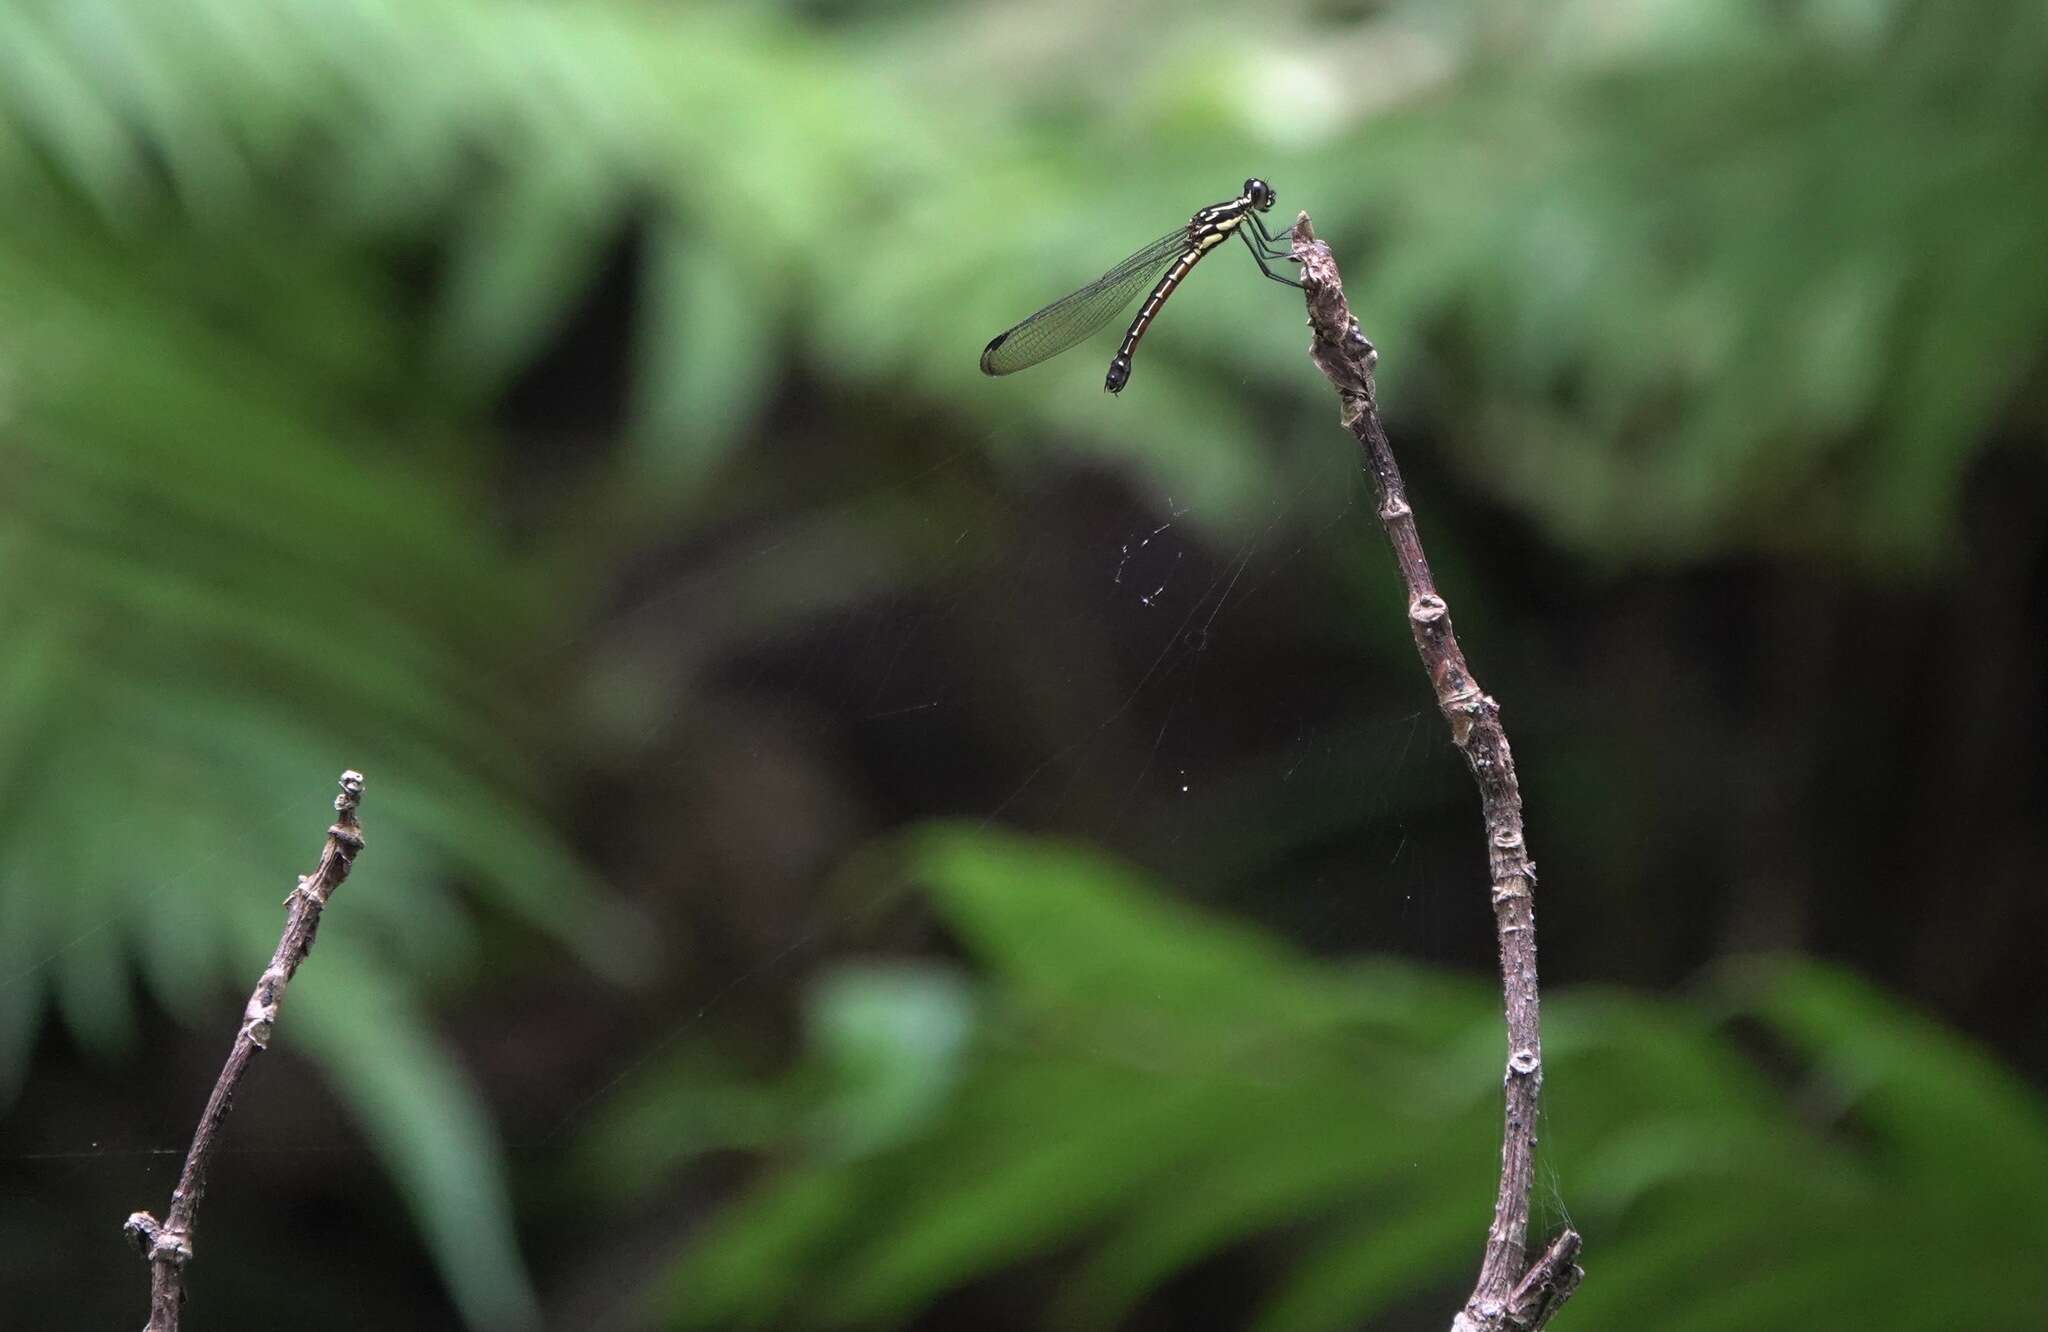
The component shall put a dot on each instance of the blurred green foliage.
(1787, 1149)
(1667, 279)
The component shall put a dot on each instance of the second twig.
(167, 1244)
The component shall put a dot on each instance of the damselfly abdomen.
(1073, 317)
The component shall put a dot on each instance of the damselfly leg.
(1260, 256)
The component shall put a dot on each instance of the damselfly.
(1071, 318)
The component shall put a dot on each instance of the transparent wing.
(1073, 317)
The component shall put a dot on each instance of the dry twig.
(167, 1244)
(1511, 1295)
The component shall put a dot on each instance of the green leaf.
(524, 257)
(1369, 1263)
(425, 1117)
(1137, 1092)
(1070, 922)
(889, 1042)
(1973, 1131)
(704, 355)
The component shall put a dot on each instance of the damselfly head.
(1260, 193)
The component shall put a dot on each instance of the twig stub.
(1511, 1295)
(167, 1244)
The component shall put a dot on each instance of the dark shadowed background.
(855, 843)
